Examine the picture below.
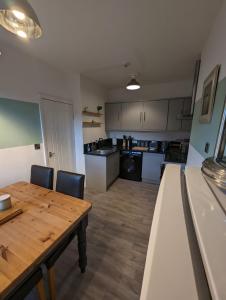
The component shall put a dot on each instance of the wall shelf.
(92, 114)
(91, 124)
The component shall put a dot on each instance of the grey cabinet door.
(112, 167)
(175, 110)
(155, 115)
(113, 116)
(186, 124)
(132, 116)
(151, 168)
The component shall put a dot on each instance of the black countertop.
(102, 152)
(172, 156)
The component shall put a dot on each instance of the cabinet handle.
(144, 117)
(140, 117)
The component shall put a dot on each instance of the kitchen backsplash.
(157, 136)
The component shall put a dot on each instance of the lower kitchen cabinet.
(101, 171)
(113, 161)
(151, 168)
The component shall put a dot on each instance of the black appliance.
(105, 143)
(154, 146)
(177, 152)
(119, 143)
(131, 165)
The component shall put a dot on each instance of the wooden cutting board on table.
(9, 214)
(140, 148)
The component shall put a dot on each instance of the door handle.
(51, 154)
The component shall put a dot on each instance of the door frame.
(56, 100)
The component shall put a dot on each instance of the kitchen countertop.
(102, 152)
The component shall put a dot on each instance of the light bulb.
(22, 34)
(19, 15)
(133, 87)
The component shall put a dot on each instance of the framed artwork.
(208, 95)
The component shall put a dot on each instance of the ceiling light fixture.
(18, 17)
(133, 84)
(22, 34)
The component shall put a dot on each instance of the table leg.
(82, 246)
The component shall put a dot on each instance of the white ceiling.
(160, 38)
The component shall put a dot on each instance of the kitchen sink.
(103, 151)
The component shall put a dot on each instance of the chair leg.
(41, 290)
(52, 287)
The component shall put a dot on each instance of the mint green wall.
(20, 123)
(208, 133)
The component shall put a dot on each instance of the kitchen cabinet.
(155, 115)
(101, 171)
(178, 110)
(186, 124)
(151, 168)
(113, 116)
(175, 109)
(132, 115)
(112, 168)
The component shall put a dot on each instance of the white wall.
(214, 52)
(152, 92)
(93, 95)
(23, 78)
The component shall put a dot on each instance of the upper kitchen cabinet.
(155, 115)
(132, 116)
(113, 116)
(175, 110)
(186, 122)
(179, 115)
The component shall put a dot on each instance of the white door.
(57, 120)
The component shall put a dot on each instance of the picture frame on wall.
(208, 95)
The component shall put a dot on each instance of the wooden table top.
(25, 240)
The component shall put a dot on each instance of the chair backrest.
(71, 184)
(42, 176)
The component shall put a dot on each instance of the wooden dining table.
(47, 218)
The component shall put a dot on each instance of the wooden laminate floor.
(117, 236)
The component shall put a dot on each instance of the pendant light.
(133, 84)
(18, 17)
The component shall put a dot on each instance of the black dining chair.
(23, 289)
(71, 184)
(42, 176)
